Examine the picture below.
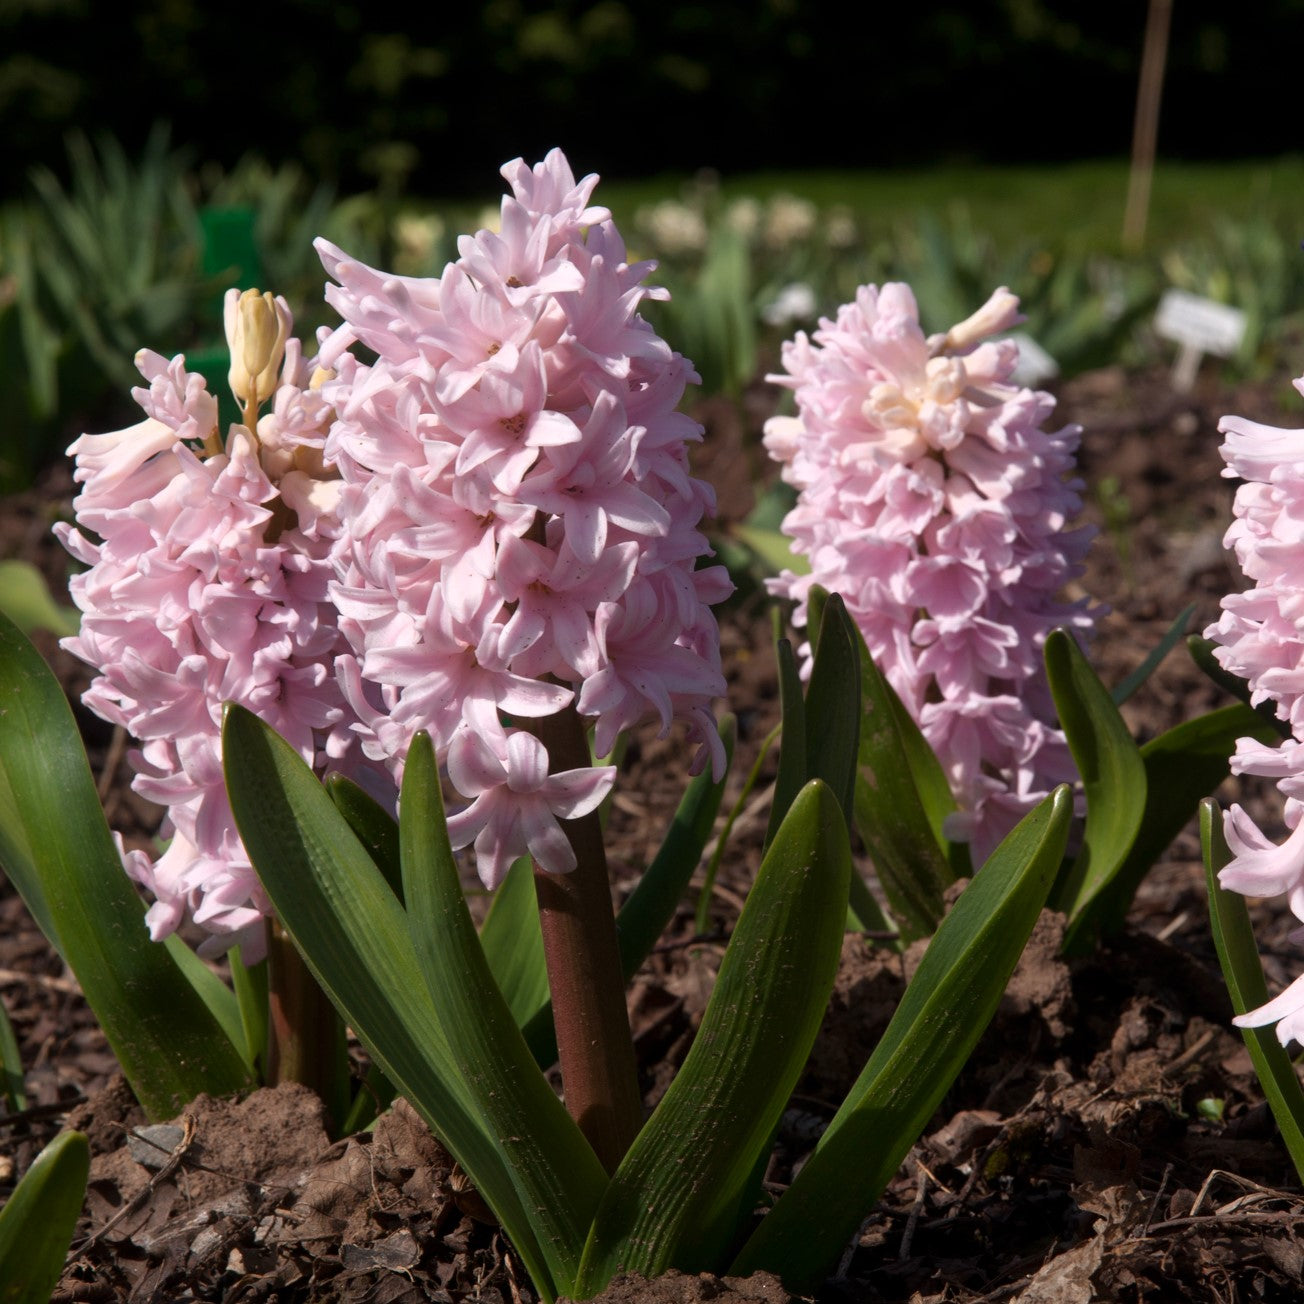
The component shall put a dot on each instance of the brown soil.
(1107, 1141)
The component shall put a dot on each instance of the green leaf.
(1201, 650)
(556, 1172)
(353, 933)
(1122, 691)
(651, 905)
(682, 1191)
(833, 704)
(702, 918)
(1113, 773)
(513, 944)
(250, 984)
(25, 599)
(216, 995)
(897, 803)
(1233, 936)
(374, 826)
(792, 774)
(773, 548)
(925, 769)
(37, 1223)
(1183, 765)
(11, 1065)
(949, 1002)
(59, 854)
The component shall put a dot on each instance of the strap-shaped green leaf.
(1113, 773)
(1124, 689)
(218, 997)
(1182, 765)
(37, 1222)
(949, 1002)
(679, 1196)
(792, 774)
(910, 745)
(57, 851)
(351, 930)
(250, 985)
(11, 1065)
(773, 548)
(1233, 936)
(1202, 653)
(651, 905)
(26, 599)
(554, 1167)
(702, 917)
(374, 826)
(833, 704)
(513, 945)
(900, 800)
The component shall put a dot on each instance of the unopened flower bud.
(256, 329)
(999, 313)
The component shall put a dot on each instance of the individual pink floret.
(521, 531)
(931, 498)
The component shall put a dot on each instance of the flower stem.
(305, 1038)
(584, 972)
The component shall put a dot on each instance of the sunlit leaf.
(679, 1196)
(25, 598)
(373, 825)
(555, 1170)
(792, 776)
(38, 1220)
(944, 1010)
(1113, 773)
(1182, 765)
(57, 851)
(513, 943)
(353, 933)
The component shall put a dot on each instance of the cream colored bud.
(257, 326)
(999, 313)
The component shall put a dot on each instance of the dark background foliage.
(638, 86)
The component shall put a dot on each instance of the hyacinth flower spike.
(1259, 640)
(517, 565)
(932, 498)
(207, 582)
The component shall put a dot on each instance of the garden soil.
(1107, 1141)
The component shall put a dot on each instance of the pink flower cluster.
(521, 531)
(208, 583)
(933, 501)
(1261, 641)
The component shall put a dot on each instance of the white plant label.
(1198, 326)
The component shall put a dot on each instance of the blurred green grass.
(1078, 206)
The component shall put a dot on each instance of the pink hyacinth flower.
(931, 498)
(521, 534)
(207, 582)
(1260, 641)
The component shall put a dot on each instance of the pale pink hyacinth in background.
(1261, 641)
(521, 531)
(932, 499)
(207, 583)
